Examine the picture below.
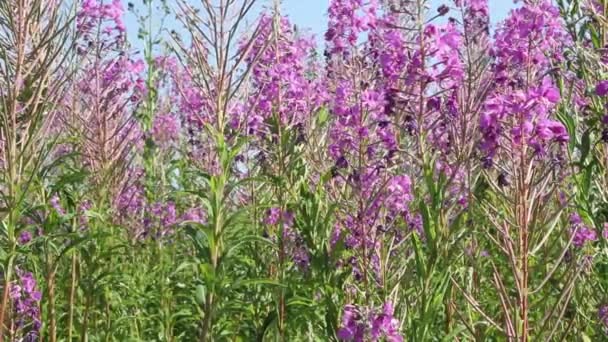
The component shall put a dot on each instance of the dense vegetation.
(420, 176)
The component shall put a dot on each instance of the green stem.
(85, 322)
(72, 297)
(5, 297)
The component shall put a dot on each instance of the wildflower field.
(419, 173)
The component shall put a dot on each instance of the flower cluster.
(443, 45)
(24, 237)
(387, 45)
(602, 314)
(385, 204)
(146, 219)
(364, 134)
(582, 234)
(197, 215)
(186, 110)
(361, 324)
(130, 202)
(527, 112)
(162, 218)
(348, 20)
(165, 130)
(601, 89)
(94, 14)
(476, 18)
(182, 96)
(281, 77)
(107, 89)
(142, 218)
(293, 241)
(528, 42)
(519, 111)
(55, 202)
(26, 299)
(399, 195)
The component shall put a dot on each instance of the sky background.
(311, 15)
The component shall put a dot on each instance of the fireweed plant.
(420, 175)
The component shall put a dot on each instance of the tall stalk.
(72, 295)
(217, 60)
(34, 41)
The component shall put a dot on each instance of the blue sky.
(311, 15)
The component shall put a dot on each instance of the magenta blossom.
(602, 88)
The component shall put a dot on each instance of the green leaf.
(208, 273)
(199, 294)
(420, 261)
(428, 226)
(252, 282)
(322, 116)
(585, 146)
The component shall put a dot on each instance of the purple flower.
(83, 219)
(601, 89)
(165, 215)
(352, 328)
(165, 129)
(130, 203)
(602, 315)
(399, 194)
(385, 325)
(526, 46)
(273, 216)
(56, 204)
(582, 233)
(476, 18)
(348, 20)
(548, 130)
(25, 237)
(26, 299)
(93, 13)
(295, 244)
(296, 248)
(368, 324)
(282, 85)
(195, 215)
